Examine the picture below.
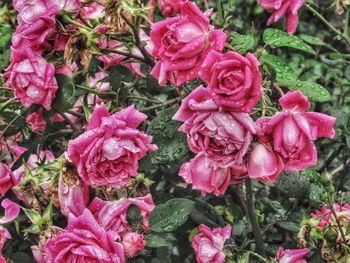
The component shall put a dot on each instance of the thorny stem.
(338, 32)
(75, 129)
(148, 60)
(169, 102)
(14, 120)
(330, 159)
(337, 220)
(129, 55)
(259, 242)
(6, 103)
(346, 23)
(68, 19)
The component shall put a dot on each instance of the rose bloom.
(222, 135)
(264, 164)
(280, 8)
(112, 214)
(169, 7)
(181, 44)
(84, 240)
(7, 179)
(133, 244)
(209, 243)
(35, 34)
(30, 11)
(325, 214)
(109, 151)
(36, 120)
(234, 80)
(293, 131)
(32, 78)
(208, 176)
(291, 255)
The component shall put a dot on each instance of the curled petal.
(12, 210)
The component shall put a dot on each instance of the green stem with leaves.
(259, 242)
(344, 36)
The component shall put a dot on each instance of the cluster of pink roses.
(30, 75)
(107, 154)
(228, 143)
(100, 233)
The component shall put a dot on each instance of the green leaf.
(33, 216)
(172, 143)
(285, 75)
(312, 40)
(5, 35)
(315, 193)
(244, 258)
(242, 43)
(290, 226)
(155, 240)
(278, 38)
(47, 215)
(312, 90)
(65, 96)
(169, 216)
(293, 184)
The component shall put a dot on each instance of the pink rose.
(293, 131)
(84, 240)
(133, 244)
(209, 243)
(222, 135)
(36, 120)
(291, 255)
(32, 78)
(206, 175)
(112, 214)
(35, 34)
(73, 194)
(264, 164)
(233, 80)
(279, 8)
(325, 214)
(7, 179)
(12, 210)
(169, 7)
(30, 11)
(181, 44)
(109, 151)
